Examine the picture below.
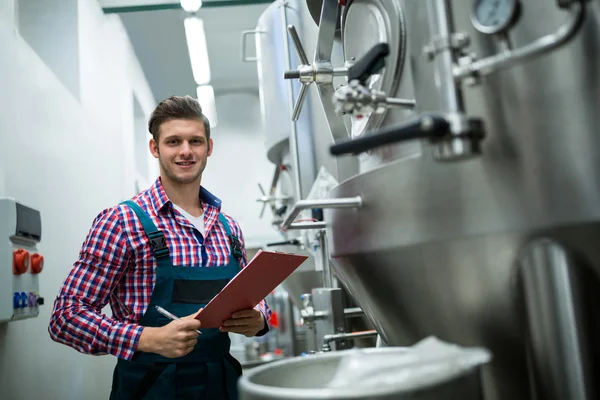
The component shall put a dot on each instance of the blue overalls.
(209, 372)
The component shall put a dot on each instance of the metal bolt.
(427, 124)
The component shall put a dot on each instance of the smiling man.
(169, 246)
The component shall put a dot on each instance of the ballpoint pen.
(167, 314)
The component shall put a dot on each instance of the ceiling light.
(206, 98)
(191, 6)
(196, 41)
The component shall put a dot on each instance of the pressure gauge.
(494, 16)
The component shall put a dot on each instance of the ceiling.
(158, 38)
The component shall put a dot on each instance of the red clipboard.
(250, 286)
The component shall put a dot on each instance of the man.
(169, 246)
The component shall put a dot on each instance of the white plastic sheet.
(425, 364)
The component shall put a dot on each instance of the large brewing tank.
(498, 250)
(288, 145)
(304, 141)
(274, 53)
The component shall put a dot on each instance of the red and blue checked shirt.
(116, 266)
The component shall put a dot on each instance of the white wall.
(69, 157)
(238, 163)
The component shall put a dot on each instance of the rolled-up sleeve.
(77, 320)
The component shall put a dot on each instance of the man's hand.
(173, 340)
(246, 322)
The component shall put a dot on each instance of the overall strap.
(234, 241)
(156, 237)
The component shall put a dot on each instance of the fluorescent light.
(206, 98)
(196, 41)
(191, 6)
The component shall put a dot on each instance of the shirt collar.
(159, 198)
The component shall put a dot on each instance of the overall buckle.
(236, 246)
(158, 243)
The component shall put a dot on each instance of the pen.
(167, 314)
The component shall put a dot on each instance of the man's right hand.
(173, 340)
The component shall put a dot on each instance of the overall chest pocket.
(187, 291)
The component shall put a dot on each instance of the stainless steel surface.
(294, 150)
(366, 23)
(285, 141)
(314, 8)
(306, 277)
(306, 226)
(384, 21)
(440, 25)
(347, 336)
(330, 13)
(329, 280)
(552, 284)
(435, 248)
(330, 302)
(301, 282)
(322, 72)
(353, 202)
(307, 378)
(353, 312)
(528, 52)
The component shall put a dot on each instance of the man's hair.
(177, 107)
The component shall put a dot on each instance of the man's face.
(182, 150)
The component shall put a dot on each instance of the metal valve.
(270, 198)
(356, 98)
(320, 72)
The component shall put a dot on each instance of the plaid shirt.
(116, 266)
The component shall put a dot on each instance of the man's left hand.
(246, 322)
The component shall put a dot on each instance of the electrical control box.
(20, 261)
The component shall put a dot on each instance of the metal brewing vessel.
(479, 223)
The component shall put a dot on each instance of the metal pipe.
(556, 307)
(291, 106)
(537, 48)
(350, 202)
(442, 26)
(353, 312)
(341, 71)
(297, 43)
(328, 278)
(306, 226)
(394, 102)
(348, 336)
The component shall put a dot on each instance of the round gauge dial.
(494, 16)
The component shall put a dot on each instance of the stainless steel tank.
(289, 145)
(308, 378)
(273, 56)
(498, 248)
(306, 277)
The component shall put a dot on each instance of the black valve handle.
(369, 64)
(294, 242)
(426, 126)
(291, 75)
